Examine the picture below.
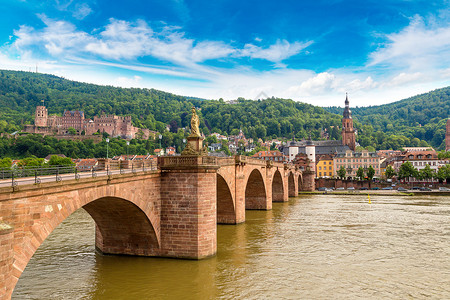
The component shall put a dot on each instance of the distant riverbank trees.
(40, 146)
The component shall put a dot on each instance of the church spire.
(347, 111)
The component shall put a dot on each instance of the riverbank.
(379, 193)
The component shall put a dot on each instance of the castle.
(115, 126)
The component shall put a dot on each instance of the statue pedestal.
(194, 146)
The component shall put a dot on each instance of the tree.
(370, 173)
(390, 172)
(443, 174)
(72, 131)
(56, 160)
(407, 170)
(341, 172)
(360, 173)
(225, 148)
(426, 173)
(32, 161)
(5, 163)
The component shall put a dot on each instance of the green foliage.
(443, 173)
(33, 144)
(55, 160)
(5, 163)
(390, 172)
(443, 154)
(72, 131)
(370, 173)
(407, 170)
(427, 173)
(31, 161)
(360, 173)
(341, 172)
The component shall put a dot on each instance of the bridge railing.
(36, 175)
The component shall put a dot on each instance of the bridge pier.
(188, 206)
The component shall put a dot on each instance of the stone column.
(7, 281)
(188, 206)
(309, 183)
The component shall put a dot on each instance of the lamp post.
(128, 144)
(107, 148)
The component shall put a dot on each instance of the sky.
(312, 51)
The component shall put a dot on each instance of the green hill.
(21, 92)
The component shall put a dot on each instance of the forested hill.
(21, 92)
(423, 116)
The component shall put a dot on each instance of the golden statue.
(195, 122)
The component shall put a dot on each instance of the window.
(320, 168)
(320, 173)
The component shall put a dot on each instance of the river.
(313, 247)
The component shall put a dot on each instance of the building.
(324, 165)
(447, 136)
(273, 155)
(417, 149)
(171, 151)
(388, 153)
(115, 126)
(419, 160)
(291, 149)
(159, 152)
(352, 161)
(348, 132)
(321, 148)
(215, 147)
(86, 164)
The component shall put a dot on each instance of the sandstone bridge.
(170, 211)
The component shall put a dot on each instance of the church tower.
(348, 133)
(41, 116)
(447, 136)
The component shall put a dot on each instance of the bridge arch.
(226, 210)
(255, 191)
(124, 225)
(291, 185)
(300, 182)
(277, 187)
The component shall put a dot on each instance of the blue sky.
(311, 51)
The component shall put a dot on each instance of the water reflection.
(324, 246)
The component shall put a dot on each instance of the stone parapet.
(187, 162)
(6, 261)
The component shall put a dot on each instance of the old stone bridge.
(170, 212)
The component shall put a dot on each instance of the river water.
(313, 247)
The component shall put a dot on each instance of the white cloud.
(82, 10)
(277, 52)
(403, 78)
(130, 40)
(128, 82)
(57, 38)
(317, 84)
(416, 47)
(102, 55)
